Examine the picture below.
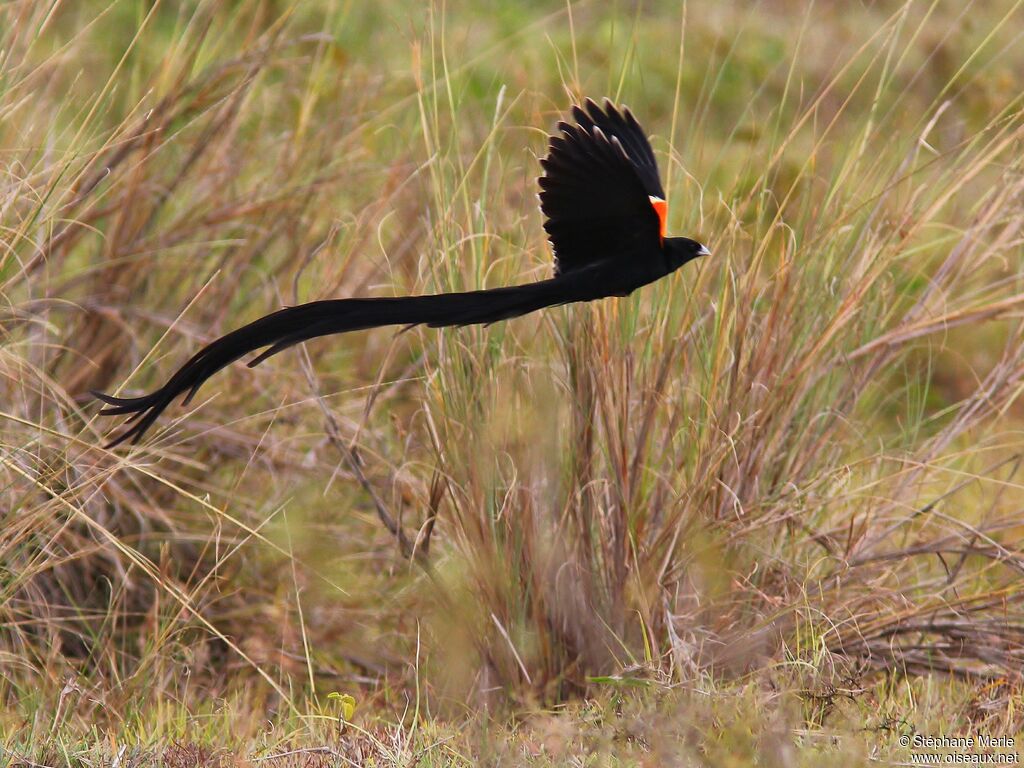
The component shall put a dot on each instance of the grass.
(764, 511)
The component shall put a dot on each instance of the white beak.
(703, 251)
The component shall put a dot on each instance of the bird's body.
(605, 215)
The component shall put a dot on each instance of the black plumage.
(604, 212)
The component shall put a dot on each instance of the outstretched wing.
(600, 192)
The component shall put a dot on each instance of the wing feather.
(599, 177)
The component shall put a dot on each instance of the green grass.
(763, 511)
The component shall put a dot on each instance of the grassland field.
(767, 511)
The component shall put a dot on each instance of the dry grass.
(769, 502)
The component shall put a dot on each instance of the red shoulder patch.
(661, 208)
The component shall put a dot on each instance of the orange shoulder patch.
(661, 208)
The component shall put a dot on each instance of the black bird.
(605, 215)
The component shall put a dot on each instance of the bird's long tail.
(293, 325)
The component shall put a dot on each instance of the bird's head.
(680, 250)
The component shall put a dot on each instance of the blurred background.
(771, 499)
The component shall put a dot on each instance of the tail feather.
(293, 325)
